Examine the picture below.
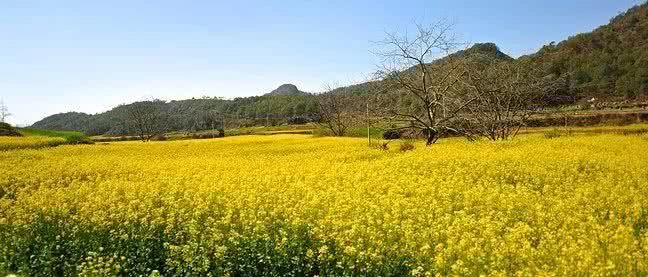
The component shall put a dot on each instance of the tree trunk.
(430, 135)
(430, 140)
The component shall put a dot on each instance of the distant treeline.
(196, 114)
(609, 63)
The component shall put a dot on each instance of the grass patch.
(70, 137)
(36, 138)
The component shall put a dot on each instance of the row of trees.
(151, 118)
(471, 95)
(148, 119)
(193, 115)
(207, 114)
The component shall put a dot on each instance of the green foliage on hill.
(70, 121)
(611, 61)
(286, 90)
(282, 105)
(274, 108)
(486, 49)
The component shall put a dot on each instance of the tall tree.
(146, 119)
(419, 91)
(335, 110)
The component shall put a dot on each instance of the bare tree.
(146, 119)
(505, 93)
(417, 89)
(335, 110)
(4, 111)
(216, 121)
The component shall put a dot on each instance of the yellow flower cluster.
(13, 143)
(298, 205)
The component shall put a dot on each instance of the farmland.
(12, 143)
(303, 205)
(35, 138)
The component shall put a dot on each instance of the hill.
(286, 90)
(477, 50)
(284, 104)
(70, 121)
(276, 107)
(611, 61)
(488, 49)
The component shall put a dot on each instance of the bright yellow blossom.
(298, 205)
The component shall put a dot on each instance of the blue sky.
(68, 55)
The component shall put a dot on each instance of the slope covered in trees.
(71, 121)
(285, 104)
(611, 61)
(195, 114)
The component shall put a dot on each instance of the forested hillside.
(286, 104)
(610, 62)
(279, 106)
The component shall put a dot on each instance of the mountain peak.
(286, 89)
(489, 49)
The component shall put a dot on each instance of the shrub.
(381, 145)
(407, 145)
(410, 133)
(391, 134)
(77, 139)
(7, 130)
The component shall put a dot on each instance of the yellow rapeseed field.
(299, 205)
(12, 143)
